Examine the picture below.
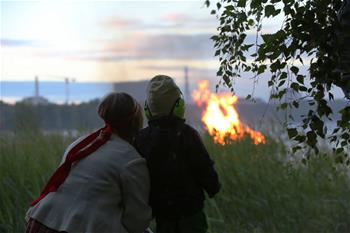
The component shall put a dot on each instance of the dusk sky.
(105, 40)
(108, 41)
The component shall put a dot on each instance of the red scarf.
(85, 147)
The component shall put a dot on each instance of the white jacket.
(105, 192)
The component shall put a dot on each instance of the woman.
(102, 184)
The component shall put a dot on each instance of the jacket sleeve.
(203, 166)
(135, 190)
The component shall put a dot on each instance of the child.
(179, 164)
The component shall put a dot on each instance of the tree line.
(23, 117)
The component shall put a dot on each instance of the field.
(262, 190)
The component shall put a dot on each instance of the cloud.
(178, 46)
(122, 23)
(180, 20)
(132, 46)
(177, 68)
(171, 23)
(177, 18)
(160, 47)
(138, 46)
(18, 43)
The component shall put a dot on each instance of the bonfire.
(220, 117)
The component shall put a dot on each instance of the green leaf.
(266, 37)
(295, 104)
(241, 3)
(300, 138)
(300, 79)
(271, 11)
(229, 8)
(227, 80)
(296, 148)
(284, 106)
(292, 132)
(304, 161)
(339, 159)
(295, 87)
(261, 69)
(344, 143)
(303, 88)
(295, 70)
(214, 38)
(345, 136)
(311, 138)
(283, 75)
(283, 81)
(251, 22)
(336, 130)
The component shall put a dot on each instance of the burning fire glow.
(220, 116)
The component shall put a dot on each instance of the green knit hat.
(161, 94)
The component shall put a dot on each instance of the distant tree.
(312, 33)
(26, 118)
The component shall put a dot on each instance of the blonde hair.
(122, 113)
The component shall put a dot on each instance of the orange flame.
(220, 116)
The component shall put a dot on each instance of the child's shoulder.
(190, 133)
(190, 128)
(186, 130)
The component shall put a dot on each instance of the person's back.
(180, 167)
(102, 183)
(90, 198)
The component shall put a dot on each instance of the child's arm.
(203, 166)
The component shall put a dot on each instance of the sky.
(104, 40)
(111, 41)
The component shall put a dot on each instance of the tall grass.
(26, 162)
(261, 192)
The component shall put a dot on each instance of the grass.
(264, 193)
(26, 162)
(261, 191)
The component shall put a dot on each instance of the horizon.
(54, 90)
(81, 92)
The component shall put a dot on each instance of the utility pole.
(67, 81)
(36, 87)
(187, 85)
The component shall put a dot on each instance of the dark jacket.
(180, 167)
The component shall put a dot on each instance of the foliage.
(307, 38)
(23, 116)
(261, 190)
